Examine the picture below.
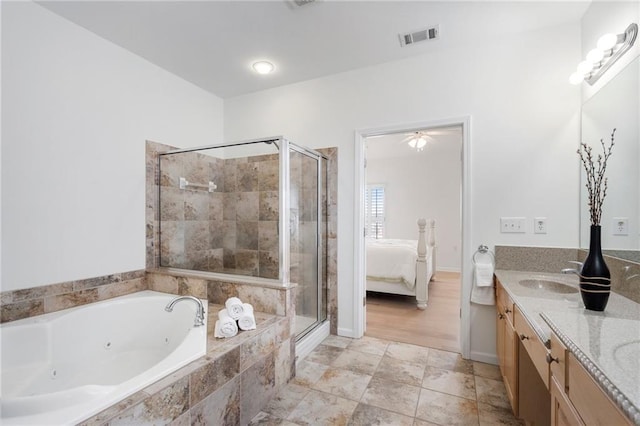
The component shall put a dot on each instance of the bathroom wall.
(524, 130)
(76, 111)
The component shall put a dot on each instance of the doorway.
(451, 271)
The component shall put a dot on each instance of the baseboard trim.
(445, 269)
(487, 358)
(311, 340)
(346, 332)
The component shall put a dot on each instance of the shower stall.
(256, 209)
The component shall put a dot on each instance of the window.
(374, 207)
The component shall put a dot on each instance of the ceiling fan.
(419, 139)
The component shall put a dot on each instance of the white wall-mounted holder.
(609, 49)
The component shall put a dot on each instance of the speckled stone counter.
(606, 343)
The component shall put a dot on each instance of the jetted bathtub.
(66, 366)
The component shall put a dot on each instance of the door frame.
(359, 292)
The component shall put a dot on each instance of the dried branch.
(596, 181)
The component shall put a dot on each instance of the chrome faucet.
(573, 270)
(199, 312)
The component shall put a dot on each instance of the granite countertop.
(606, 343)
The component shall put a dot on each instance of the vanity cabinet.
(576, 399)
(506, 345)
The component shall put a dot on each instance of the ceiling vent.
(413, 37)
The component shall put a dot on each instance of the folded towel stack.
(225, 326)
(234, 307)
(236, 315)
(247, 320)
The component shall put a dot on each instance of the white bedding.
(393, 261)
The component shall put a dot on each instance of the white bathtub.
(64, 367)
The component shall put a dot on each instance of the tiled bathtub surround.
(625, 275)
(229, 385)
(18, 304)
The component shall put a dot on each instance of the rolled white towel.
(234, 307)
(247, 320)
(225, 326)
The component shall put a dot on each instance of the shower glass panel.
(219, 209)
(307, 236)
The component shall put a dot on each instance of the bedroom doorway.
(410, 172)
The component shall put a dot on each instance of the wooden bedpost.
(432, 244)
(421, 266)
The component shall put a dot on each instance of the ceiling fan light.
(421, 142)
(413, 142)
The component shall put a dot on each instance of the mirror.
(616, 105)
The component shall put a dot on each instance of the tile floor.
(371, 381)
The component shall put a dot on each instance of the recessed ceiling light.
(263, 67)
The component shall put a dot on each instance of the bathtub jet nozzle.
(199, 320)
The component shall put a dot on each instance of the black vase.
(595, 278)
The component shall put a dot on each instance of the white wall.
(423, 184)
(76, 111)
(524, 133)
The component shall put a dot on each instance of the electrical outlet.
(540, 225)
(512, 225)
(620, 226)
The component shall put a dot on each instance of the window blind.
(374, 200)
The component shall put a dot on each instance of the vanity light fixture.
(262, 67)
(609, 49)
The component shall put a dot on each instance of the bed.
(403, 266)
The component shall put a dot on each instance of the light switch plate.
(512, 225)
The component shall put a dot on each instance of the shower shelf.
(184, 183)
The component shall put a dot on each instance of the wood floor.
(396, 318)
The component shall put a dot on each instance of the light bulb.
(576, 78)
(421, 143)
(585, 67)
(607, 41)
(263, 67)
(595, 56)
(412, 143)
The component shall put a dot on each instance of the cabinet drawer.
(504, 302)
(590, 401)
(533, 345)
(558, 364)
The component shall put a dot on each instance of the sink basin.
(551, 286)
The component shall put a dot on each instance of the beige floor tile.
(286, 400)
(418, 422)
(344, 383)
(443, 409)
(359, 362)
(451, 382)
(369, 345)
(265, 419)
(400, 371)
(492, 392)
(491, 416)
(488, 371)
(406, 352)
(449, 361)
(324, 354)
(320, 409)
(366, 415)
(393, 396)
(337, 341)
(307, 373)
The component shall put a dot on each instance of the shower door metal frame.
(320, 243)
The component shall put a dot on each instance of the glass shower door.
(307, 234)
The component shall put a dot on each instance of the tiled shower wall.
(233, 229)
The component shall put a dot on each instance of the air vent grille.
(418, 36)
